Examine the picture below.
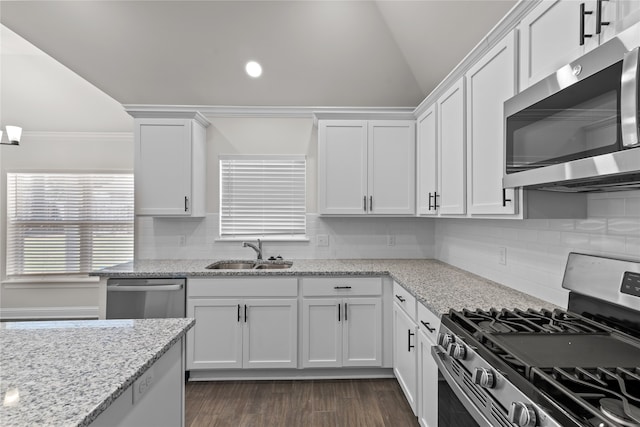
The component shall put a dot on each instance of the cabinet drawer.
(404, 299)
(242, 287)
(337, 286)
(428, 322)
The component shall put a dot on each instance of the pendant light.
(13, 135)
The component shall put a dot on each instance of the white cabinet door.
(490, 82)
(427, 148)
(621, 13)
(163, 167)
(216, 339)
(550, 38)
(451, 142)
(391, 173)
(362, 332)
(342, 167)
(322, 333)
(270, 333)
(405, 357)
(427, 383)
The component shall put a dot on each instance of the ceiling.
(314, 53)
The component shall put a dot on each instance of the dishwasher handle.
(142, 288)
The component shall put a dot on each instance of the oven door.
(455, 408)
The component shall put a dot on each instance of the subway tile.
(624, 226)
(605, 207)
(562, 224)
(632, 246)
(632, 207)
(615, 244)
(571, 239)
(591, 225)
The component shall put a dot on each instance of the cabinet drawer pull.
(370, 203)
(583, 13)
(428, 326)
(504, 197)
(409, 340)
(400, 298)
(239, 317)
(245, 313)
(345, 312)
(599, 21)
(342, 287)
(339, 305)
(364, 203)
(186, 204)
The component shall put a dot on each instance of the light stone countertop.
(65, 373)
(439, 286)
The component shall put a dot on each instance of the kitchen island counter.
(66, 373)
(439, 286)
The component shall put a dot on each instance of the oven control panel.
(631, 284)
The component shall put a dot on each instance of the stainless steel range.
(579, 367)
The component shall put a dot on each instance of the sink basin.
(248, 265)
(231, 265)
(270, 266)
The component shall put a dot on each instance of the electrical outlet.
(323, 239)
(502, 256)
(391, 240)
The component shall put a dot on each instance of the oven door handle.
(629, 99)
(142, 288)
(438, 355)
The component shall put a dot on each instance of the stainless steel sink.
(249, 265)
(270, 266)
(231, 265)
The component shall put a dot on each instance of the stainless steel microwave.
(578, 129)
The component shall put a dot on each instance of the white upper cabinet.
(559, 31)
(427, 150)
(366, 167)
(490, 82)
(550, 38)
(451, 198)
(170, 168)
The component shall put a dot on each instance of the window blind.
(263, 196)
(61, 223)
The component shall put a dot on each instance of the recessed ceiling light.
(253, 69)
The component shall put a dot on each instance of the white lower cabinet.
(405, 354)
(155, 399)
(342, 332)
(243, 332)
(428, 324)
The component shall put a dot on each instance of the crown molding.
(144, 111)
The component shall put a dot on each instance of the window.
(68, 223)
(262, 197)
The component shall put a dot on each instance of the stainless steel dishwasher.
(145, 298)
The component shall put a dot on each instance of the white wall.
(537, 249)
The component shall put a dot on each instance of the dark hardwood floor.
(314, 403)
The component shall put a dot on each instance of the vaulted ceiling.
(314, 53)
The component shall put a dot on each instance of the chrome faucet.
(257, 248)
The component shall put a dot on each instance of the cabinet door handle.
(504, 197)
(339, 305)
(435, 200)
(364, 203)
(342, 287)
(345, 312)
(370, 203)
(428, 326)
(245, 313)
(583, 13)
(599, 21)
(400, 298)
(430, 196)
(239, 317)
(409, 340)
(186, 203)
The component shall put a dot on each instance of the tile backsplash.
(362, 237)
(536, 250)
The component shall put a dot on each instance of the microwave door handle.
(629, 99)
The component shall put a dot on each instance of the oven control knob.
(457, 351)
(484, 377)
(522, 414)
(445, 339)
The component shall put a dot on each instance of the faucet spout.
(257, 248)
